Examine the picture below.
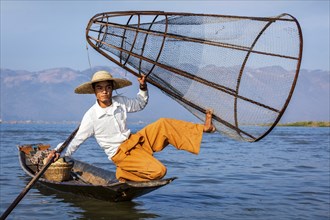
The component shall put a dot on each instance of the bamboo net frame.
(245, 68)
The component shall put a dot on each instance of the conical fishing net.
(244, 68)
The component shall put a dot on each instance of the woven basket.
(59, 172)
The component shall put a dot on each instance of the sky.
(38, 35)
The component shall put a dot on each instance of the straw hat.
(87, 88)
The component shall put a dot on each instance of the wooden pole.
(37, 176)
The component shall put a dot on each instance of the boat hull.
(91, 181)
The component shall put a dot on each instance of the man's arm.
(138, 103)
(85, 131)
(143, 84)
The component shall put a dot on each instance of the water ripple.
(284, 176)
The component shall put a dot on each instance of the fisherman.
(132, 153)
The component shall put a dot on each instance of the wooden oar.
(37, 176)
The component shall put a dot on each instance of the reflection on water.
(95, 209)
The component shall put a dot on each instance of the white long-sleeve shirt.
(108, 125)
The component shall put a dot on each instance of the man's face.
(103, 92)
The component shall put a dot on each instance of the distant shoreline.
(306, 124)
(290, 124)
(38, 122)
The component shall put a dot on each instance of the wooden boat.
(90, 181)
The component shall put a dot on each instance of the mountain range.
(47, 95)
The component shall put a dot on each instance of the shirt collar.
(100, 112)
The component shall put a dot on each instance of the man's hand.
(142, 81)
(52, 154)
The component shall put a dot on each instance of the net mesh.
(244, 68)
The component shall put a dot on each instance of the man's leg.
(181, 134)
(139, 165)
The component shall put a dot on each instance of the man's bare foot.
(208, 126)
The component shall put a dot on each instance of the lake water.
(284, 176)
